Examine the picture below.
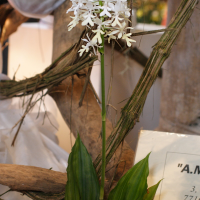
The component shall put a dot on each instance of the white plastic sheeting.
(36, 143)
(35, 8)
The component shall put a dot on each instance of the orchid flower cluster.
(107, 16)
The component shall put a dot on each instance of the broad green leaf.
(151, 192)
(133, 185)
(82, 179)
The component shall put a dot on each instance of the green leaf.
(151, 192)
(82, 179)
(133, 185)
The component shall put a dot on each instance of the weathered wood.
(10, 20)
(62, 38)
(20, 177)
(5, 9)
(180, 107)
(85, 119)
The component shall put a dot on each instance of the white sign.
(175, 158)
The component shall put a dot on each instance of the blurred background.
(151, 11)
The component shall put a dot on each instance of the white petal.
(128, 43)
(114, 32)
(88, 21)
(96, 38)
(111, 5)
(105, 12)
(120, 35)
(128, 34)
(85, 40)
(81, 51)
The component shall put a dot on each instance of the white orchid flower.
(73, 23)
(97, 37)
(121, 30)
(116, 20)
(111, 37)
(101, 23)
(109, 17)
(128, 40)
(88, 19)
(81, 51)
(90, 43)
(106, 7)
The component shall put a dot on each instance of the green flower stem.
(103, 114)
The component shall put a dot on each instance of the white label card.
(181, 177)
(175, 158)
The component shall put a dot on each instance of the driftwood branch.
(23, 178)
(87, 80)
(5, 10)
(10, 19)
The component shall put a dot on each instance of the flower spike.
(109, 16)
